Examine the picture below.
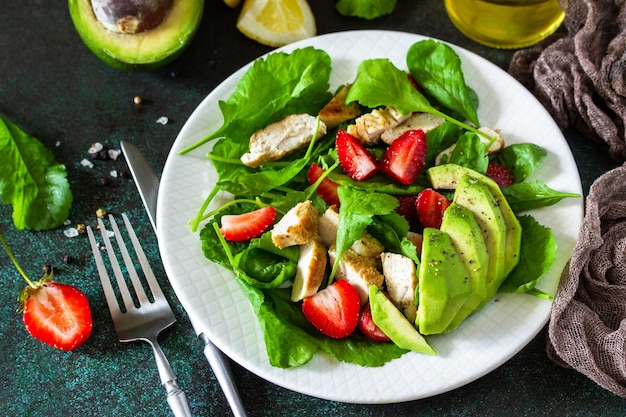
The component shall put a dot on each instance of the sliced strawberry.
(355, 159)
(327, 189)
(406, 209)
(57, 314)
(430, 207)
(242, 227)
(369, 328)
(500, 174)
(334, 311)
(405, 157)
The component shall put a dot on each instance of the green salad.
(448, 174)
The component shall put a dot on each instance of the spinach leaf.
(522, 159)
(32, 181)
(379, 83)
(437, 70)
(537, 254)
(291, 341)
(273, 88)
(525, 196)
(469, 152)
(367, 9)
(358, 207)
(439, 139)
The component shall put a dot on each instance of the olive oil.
(506, 24)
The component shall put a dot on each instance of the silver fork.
(144, 321)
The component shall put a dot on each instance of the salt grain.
(114, 153)
(113, 173)
(67, 222)
(95, 148)
(162, 120)
(86, 163)
(71, 232)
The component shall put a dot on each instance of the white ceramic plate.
(217, 306)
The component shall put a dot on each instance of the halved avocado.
(145, 49)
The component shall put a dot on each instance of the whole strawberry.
(55, 314)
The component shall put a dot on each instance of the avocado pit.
(130, 16)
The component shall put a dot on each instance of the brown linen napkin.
(587, 329)
(581, 77)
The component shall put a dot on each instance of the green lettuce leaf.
(32, 181)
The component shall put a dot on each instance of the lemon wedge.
(276, 22)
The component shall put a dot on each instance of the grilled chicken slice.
(400, 275)
(310, 270)
(423, 121)
(297, 226)
(282, 138)
(337, 111)
(368, 128)
(359, 271)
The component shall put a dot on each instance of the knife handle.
(221, 368)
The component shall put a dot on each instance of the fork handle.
(175, 396)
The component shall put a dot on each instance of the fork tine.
(119, 277)
(130, 267)
(143, 260)
(109, 293)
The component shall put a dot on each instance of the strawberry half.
(404, 159)
(334, 311)
(327, 189)
(245, 226)
(56, 314)
(430, 206)
(500, 174)
(355, 159)
(368, 328)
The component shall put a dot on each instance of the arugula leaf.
(32, 181)
(522, 159)
(537, 254)
(437, 70)
(367, 9)
(273, 88)
(525, 196)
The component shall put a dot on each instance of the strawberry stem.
(17, 265)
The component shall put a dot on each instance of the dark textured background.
(55, 89)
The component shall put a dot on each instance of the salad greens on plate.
(283, 84)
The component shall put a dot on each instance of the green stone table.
(54, 88)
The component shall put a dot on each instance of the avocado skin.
(393, 323)
(118, 50)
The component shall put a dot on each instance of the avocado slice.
(145, 49)
(461, 225)
(448, 176)
(444, 283)
(475, 196)
(393, 323)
